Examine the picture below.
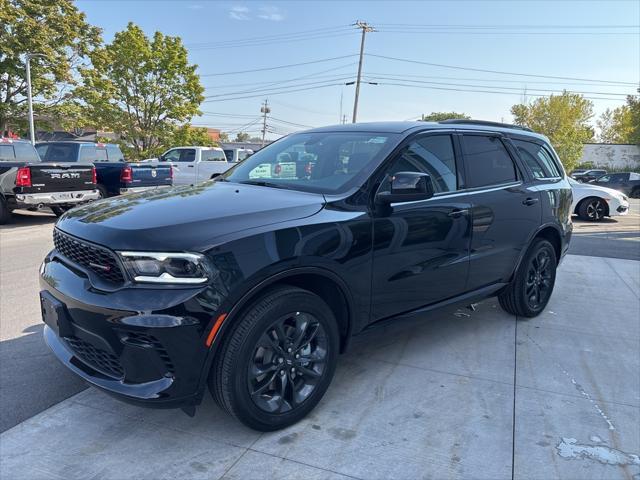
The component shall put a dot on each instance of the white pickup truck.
(193, 165)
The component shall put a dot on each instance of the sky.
(440, 55)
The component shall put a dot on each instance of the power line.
(495, 71)
(278, 67)
(489, 86)
(273, 42)
(274, 93)
(547, 26)
(268, 90)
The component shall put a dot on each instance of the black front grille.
(99, 260)
(96, 358)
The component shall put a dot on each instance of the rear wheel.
(635, 193)
(278, 361)
(102, 191)
(593, 209)
(5, 213)
(530, 290)
(59, 211)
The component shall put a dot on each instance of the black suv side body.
(267, 272)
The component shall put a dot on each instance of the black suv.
(253, 283)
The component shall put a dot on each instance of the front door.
(184, 165)
(421, 248)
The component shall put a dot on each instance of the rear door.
(505, 207)
(421, 248)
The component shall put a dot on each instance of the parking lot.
(454, 394)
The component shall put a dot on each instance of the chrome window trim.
(465, 191)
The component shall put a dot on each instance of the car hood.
(186, 218)
(587, 188)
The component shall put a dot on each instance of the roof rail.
(463, 121)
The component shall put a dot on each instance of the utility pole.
(264, 110)
(29, 56)
(365, 28)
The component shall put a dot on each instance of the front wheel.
(59, 211)
(278, 361)
(593, 209)
(530, 290)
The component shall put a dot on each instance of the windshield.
(326, 162)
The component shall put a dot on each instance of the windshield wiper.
(262, 183)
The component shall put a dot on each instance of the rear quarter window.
(114, 153)
(538, 159)
(26, 152)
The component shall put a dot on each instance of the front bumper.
(144, 345)
(142, 189)
(618, 207)
(57, 198)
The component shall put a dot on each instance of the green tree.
(224, 137)
(564, 119)
(439, 116)
(242, 137)
(141, 88)
(615, 125)
(54, 28)
(633, 103)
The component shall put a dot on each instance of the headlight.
(160, 267)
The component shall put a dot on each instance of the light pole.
(32, 133)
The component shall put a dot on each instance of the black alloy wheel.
(538, 285)
(287, 362)
(532, 284)
(277, 361)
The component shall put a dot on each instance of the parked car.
(193, 165)
(27, 182)
(115, 175)
(589, 175)
(577, 171)
(626, 182)
(593, 202)
(253, 286)
(235, 155)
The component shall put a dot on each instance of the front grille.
(95, 357)
(99, 260)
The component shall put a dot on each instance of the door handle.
(457, 213)
(190, 166)
(530, 201)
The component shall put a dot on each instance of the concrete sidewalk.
(457, 394)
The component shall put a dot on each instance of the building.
(611, 156)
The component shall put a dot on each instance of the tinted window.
(6, 153)
(114, 153)
(229, 155)
(26, 152)
(58, 152)
(213, 156)
(433, 155)
(487, 161)
(538, 159)
(187, 155)
(88, 153)
(325, 162)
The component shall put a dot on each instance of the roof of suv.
(404, 127)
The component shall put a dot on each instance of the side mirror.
(407, 187)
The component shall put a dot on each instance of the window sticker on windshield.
(377, 140)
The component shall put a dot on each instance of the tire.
(635, 193)
(261, 354)
(103, 191)
(533, 275)
(59, 211)
(593, 209)
(5, 213)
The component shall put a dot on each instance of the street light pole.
(365, 28)
(32, 133)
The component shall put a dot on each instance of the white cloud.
(239, 12)
(271, 13)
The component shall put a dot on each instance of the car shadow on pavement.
(25, 218)
(31, 378)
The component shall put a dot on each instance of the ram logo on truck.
(65, 175)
